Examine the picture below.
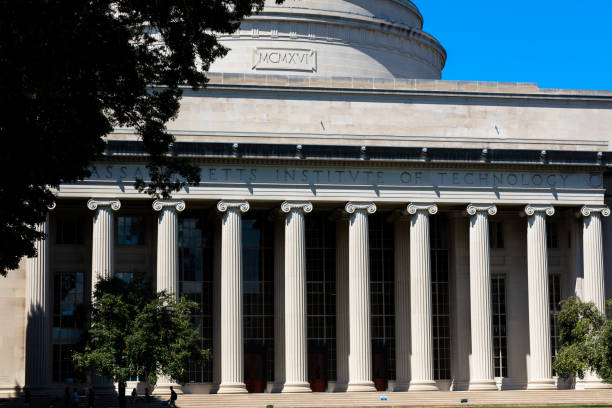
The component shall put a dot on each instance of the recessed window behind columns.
(440, 296)
(69, 317)
(258, 299)
(321, 296)
(554, 295)
(382, 297)
(195, 283)
(500, 339)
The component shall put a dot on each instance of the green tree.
(136, 332)
(71, 71)
(586, 340)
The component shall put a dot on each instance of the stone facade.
(331, 183)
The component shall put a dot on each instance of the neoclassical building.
(360, 224)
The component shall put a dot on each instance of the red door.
(317, 371)
(254, 371)
(380, 371)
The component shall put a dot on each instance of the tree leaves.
(136, 332)
(71, 71)
(586, 339)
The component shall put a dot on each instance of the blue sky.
(557, 44)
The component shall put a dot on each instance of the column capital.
(52, 206)
(472, 209)
(224, 205)
(430, 208)
(305, 206)
(588, 210)
(531, 209)
(179, 205)
(113, 203)
(353, 206)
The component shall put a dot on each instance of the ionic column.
(342, 302)
(168, 245)
(232, 358)
(38, 312)
(296, 351)
(482, 376)
(593, 289)
(103, 243)
(167, 265)
(421, 326)
(540, 374)
(279, 303)
(402, 301)
(360, 351)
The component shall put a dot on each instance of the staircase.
(361, 400)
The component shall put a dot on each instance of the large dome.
(356, 38)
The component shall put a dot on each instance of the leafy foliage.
(71, 71)
(136, 332)
(586, 340)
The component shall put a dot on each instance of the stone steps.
(363, 400)
(407, 399)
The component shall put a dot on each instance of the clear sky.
(555, 43)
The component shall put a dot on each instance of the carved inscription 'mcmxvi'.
(285, 59)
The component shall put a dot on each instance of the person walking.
(91, 398)
(134, 396)
(75, 398)
(173, 398)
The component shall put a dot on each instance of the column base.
(483, 385)
(423, 385)
(164, 389)
(401, 386)
(542, 384)
(232, 388)
(296, 388)
(590, 382)
(361, 386)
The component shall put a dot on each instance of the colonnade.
(414, 331)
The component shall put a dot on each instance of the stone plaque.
(288, 59)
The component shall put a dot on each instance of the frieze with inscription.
(365, 177)
(289, 59)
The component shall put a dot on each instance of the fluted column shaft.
(167, 275)
(402, 302)
(420, 298)
(232, 358)
(540, 375)
(103, 242)
(482, 376)
(168, 245)
(38, 312)
(279, 303)
(296, 351)
(342, 303)
(360, 352)
(594, 289)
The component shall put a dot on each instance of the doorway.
(254, 371)
(380, 370)
(317, 370)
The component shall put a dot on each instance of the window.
(69, 230)
(130, 230)
(382, 292)
(195, 283)
(68, 321)
(321, 288)
(552, 239)
(500, 353)
(496, 235)
(258, 288)
(554, 295)
(440, 297)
